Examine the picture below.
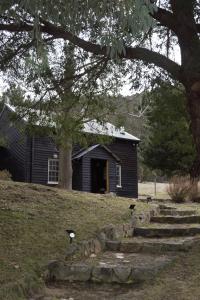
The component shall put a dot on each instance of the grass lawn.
(33, 220)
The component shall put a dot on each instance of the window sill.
(52, 182)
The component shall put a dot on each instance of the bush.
(179, 188)
(5, 175)
(194, 194)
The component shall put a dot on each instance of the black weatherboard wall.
(29, 159)
(16, 144)
(127, 152)
(43, 148)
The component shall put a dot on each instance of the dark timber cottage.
(97, 169)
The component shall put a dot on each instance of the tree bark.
(65, 166)
(193, 106)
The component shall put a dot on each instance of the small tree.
(57, 105)
(169, 147)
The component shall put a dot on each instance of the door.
(99, 176)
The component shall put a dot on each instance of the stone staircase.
(141, 257)
(175, 212)
(176, 219)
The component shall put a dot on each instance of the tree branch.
(178, 6)
(11, 54)
(166, 18)
(155, 58)
(141, 113)
(139, 53)
(16, 27)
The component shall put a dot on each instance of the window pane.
(53, 170)
(118, 175)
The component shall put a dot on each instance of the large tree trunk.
(65, 166)
(193, 97)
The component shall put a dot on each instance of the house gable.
(84, 152)
(98, 153)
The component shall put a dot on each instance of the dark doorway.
(6, 161)
(99, 176)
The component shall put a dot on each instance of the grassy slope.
(33, 220)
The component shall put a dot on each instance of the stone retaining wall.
(94, 246)
(110, 232)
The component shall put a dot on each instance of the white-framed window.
(53, 170)
(119, 175)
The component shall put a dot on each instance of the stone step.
(174, 212)
(168, 230)
(110, 267)
(153, 245)
(176, 219)
(163, 206)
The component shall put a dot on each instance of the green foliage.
(126, 23)
(114, 26)
(111, 24)
(1, 104)
(54, 103)
(2, 138)
(170, 147)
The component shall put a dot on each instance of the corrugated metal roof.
(109, 130)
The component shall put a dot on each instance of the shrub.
(5, 175)
(179, 188)
(194, 194)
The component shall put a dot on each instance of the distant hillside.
(130, 114)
